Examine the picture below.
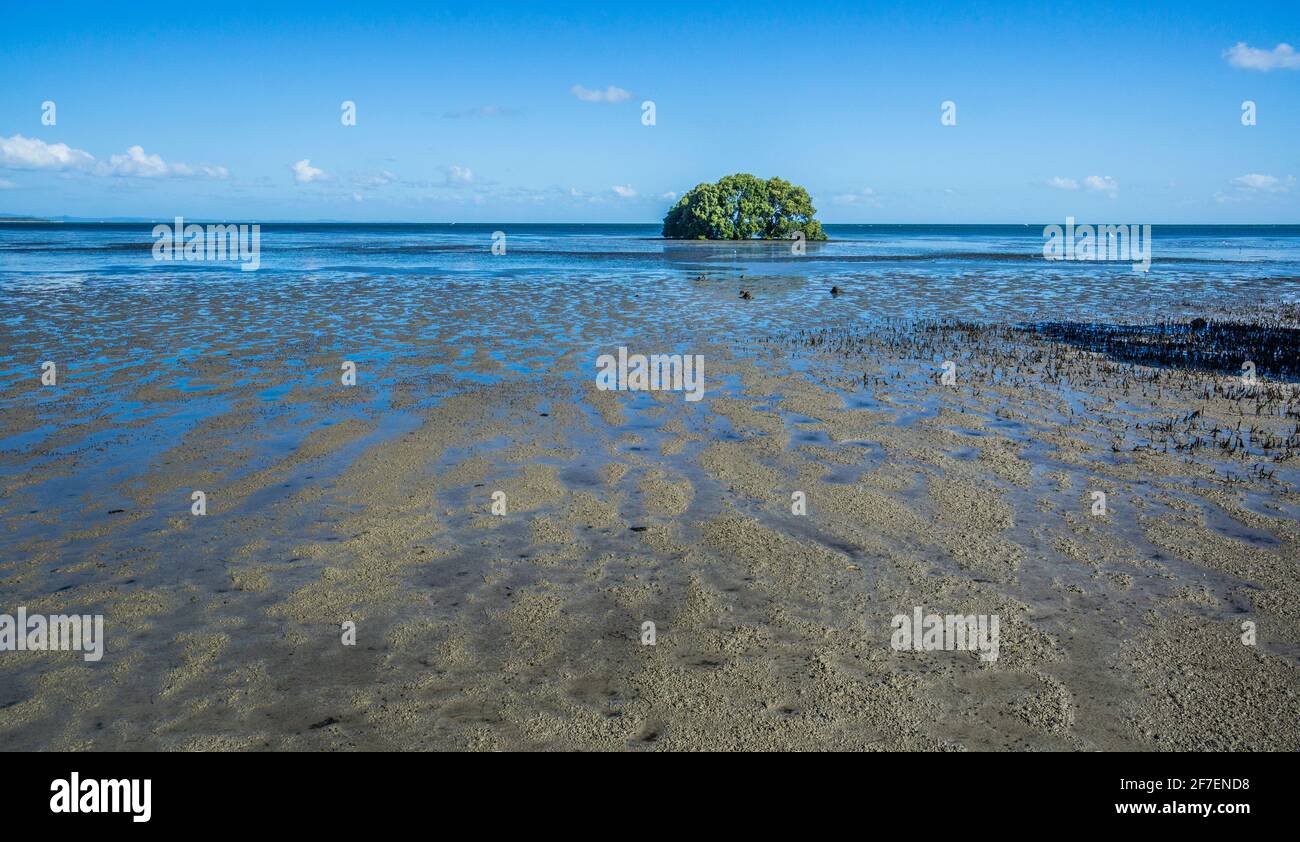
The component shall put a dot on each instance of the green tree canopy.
(741, 207)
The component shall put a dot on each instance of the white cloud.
(136, 163)
(459, 175)
(670, 196)
(624, 190)
(1264, 183)
(26, 153)
(610, 94)
(384, 177)
(1258, 183)
(1281, 57)
(6, 184)
(864, 196)
(1102, 184)
(29, 153)
(1096, 183)
(305, 173)
(1254, 186)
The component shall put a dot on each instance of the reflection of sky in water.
(981, 272)
(391, 297)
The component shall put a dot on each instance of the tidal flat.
(522, 629)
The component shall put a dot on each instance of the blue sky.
(1104, 111)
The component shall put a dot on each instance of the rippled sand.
(372, 504)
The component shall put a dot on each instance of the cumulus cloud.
(1062, 183)
(1102, 184)
(1260, 183)
(305, 173)
(1281, 57)
(610, 94)
(136, 163)
(25, 153)
(624, 190)
(29, 153)
(459, 175)
(1255, 187)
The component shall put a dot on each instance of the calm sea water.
(149, 351)
(94, 292)
(981, 271)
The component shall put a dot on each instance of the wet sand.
(372, 504)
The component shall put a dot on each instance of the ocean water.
(989, 272)
(148, 351)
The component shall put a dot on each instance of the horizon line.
(141, 220)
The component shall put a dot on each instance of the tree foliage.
(742, 207)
